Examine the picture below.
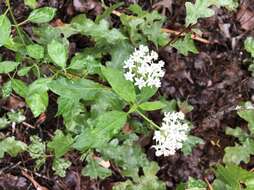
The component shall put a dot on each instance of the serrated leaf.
(107, 126)
(5, 29)
(94, 170)
(125, 89)
(190, 143)
(42, 15)
(60, 143)
(198, 10)
(35, 51)
(37, 150)
(7, 89)
(151, 106)
(4, 122)
(60, 166)
(11, 146)
(185, 45)
(58, 53)
(76, 89)
(8, 66)
(249, 45)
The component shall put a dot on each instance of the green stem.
(21, 23)
(155, 126)
(14, 20)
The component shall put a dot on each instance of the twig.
(208, 184)
(35, 183)
(174, 32)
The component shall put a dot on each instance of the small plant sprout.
(143, 68)
(172, 134)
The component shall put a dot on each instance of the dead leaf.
(164, 5)
(36, 185)
(245, 17)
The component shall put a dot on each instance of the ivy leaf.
(11, 146)
(5, 29)
(198, 10)
(37, 150)
(76, 89)
(35, 51)
(58, 53)
(107, 125)
(186, 45)
(60, 143)
(94, 170)
(190, 143)
(60, 166)
(151, 106)
(120, 85)
(42, 15)
(249, 45)
(8, 66)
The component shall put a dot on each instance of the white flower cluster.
(143, 68)
(171, 136)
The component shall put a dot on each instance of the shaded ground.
(213, 81)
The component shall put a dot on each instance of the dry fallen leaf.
(245, 17)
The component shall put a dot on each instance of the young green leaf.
(190, 143)
(107, 126)
(19, 87)
(31, 3)
(60, 166)
(16, 117)
(42, 15)
(58, 53)
(8, 66)
(198, 10)
(5, 29)
(94, 170)
(24, 71)
(60, 143)
(4, 122)
(35, 51)
(151, 106)
(6, 89)
(37, 150)
(11, 146)
(249, 45)
(120, 85)
(185, 45)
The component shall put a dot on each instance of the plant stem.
(155, 126)
(14, 20)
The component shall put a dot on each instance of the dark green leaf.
(120, 85)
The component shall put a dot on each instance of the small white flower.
(172, 134)
(143, 68)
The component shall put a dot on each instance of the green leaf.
(8, 66)
(5, 29)
(128, 155)
(120, 85)
(146, 93)
(37, 150)
(196, 184)
(238, 133)
(19, 87)
(247, 115)
(24, 71)
(233, 176)
(151, 106)
(16, 117)
(190, 143)
(58, 53)
(171, 105)
(185, 45)
(35, 51)
(11, 146)
(249, 45)
(76, 89)
(60, 143)
(42, 15)
(31, 3)
(107, 126)
(94, 170)
(4, 122)
(184, 106)
(198, 10)
(231, 5)
(7, 89)
(100, 32)
(60, 166)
